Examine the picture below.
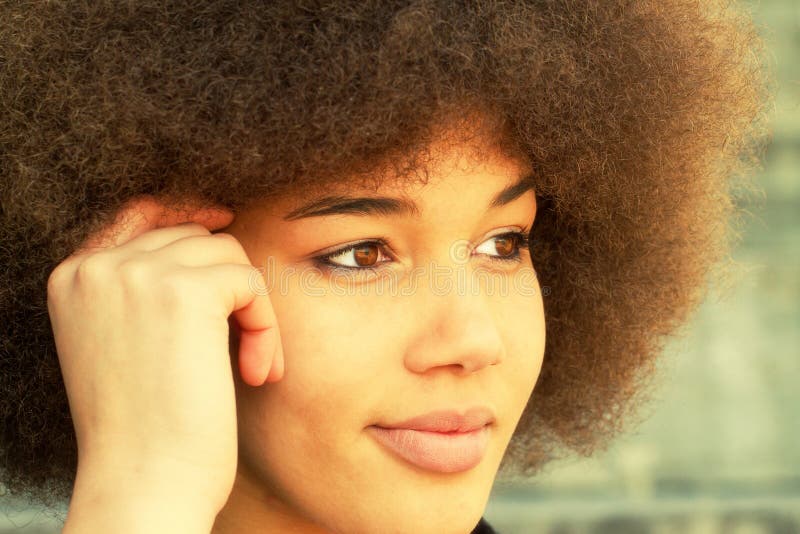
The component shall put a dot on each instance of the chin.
(441, 508)
(434, 521)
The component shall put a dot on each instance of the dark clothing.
(483, 528)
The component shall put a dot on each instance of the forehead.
(456, 168)
(452, 170)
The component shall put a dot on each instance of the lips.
(444, 441)
(447, 420)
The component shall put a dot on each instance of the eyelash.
(324, 262)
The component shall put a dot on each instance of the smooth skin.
(418, 333)
(182, 428)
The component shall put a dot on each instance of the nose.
(456, 329)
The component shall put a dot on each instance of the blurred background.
(720, 451)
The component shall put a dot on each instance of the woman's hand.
(140, 319)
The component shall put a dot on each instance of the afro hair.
(642, 120)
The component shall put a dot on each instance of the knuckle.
(226, 236)
(58, 280)
(229, 239)
(234, 245)
(175, 282)
(194, 228)
(92, 269)
(133, 272)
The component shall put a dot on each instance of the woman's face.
(445, 316)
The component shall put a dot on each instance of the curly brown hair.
(642, 120)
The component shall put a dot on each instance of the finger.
(199, 250)
(142, 214)
(258, 358)
(260, 349)
(259, 335)
(268, 370)
(276, 370)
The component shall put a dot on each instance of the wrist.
(131, 503)
(127, 513)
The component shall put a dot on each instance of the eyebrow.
(388, 206)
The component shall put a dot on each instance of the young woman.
(433, 239)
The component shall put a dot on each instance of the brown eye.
(365, 255)
(361, 256)
(506, 245)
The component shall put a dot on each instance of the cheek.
(334, 347)
(523, 323)
(295, 426)
(337, 371)
(330, 336)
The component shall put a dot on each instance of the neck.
(253, 508)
